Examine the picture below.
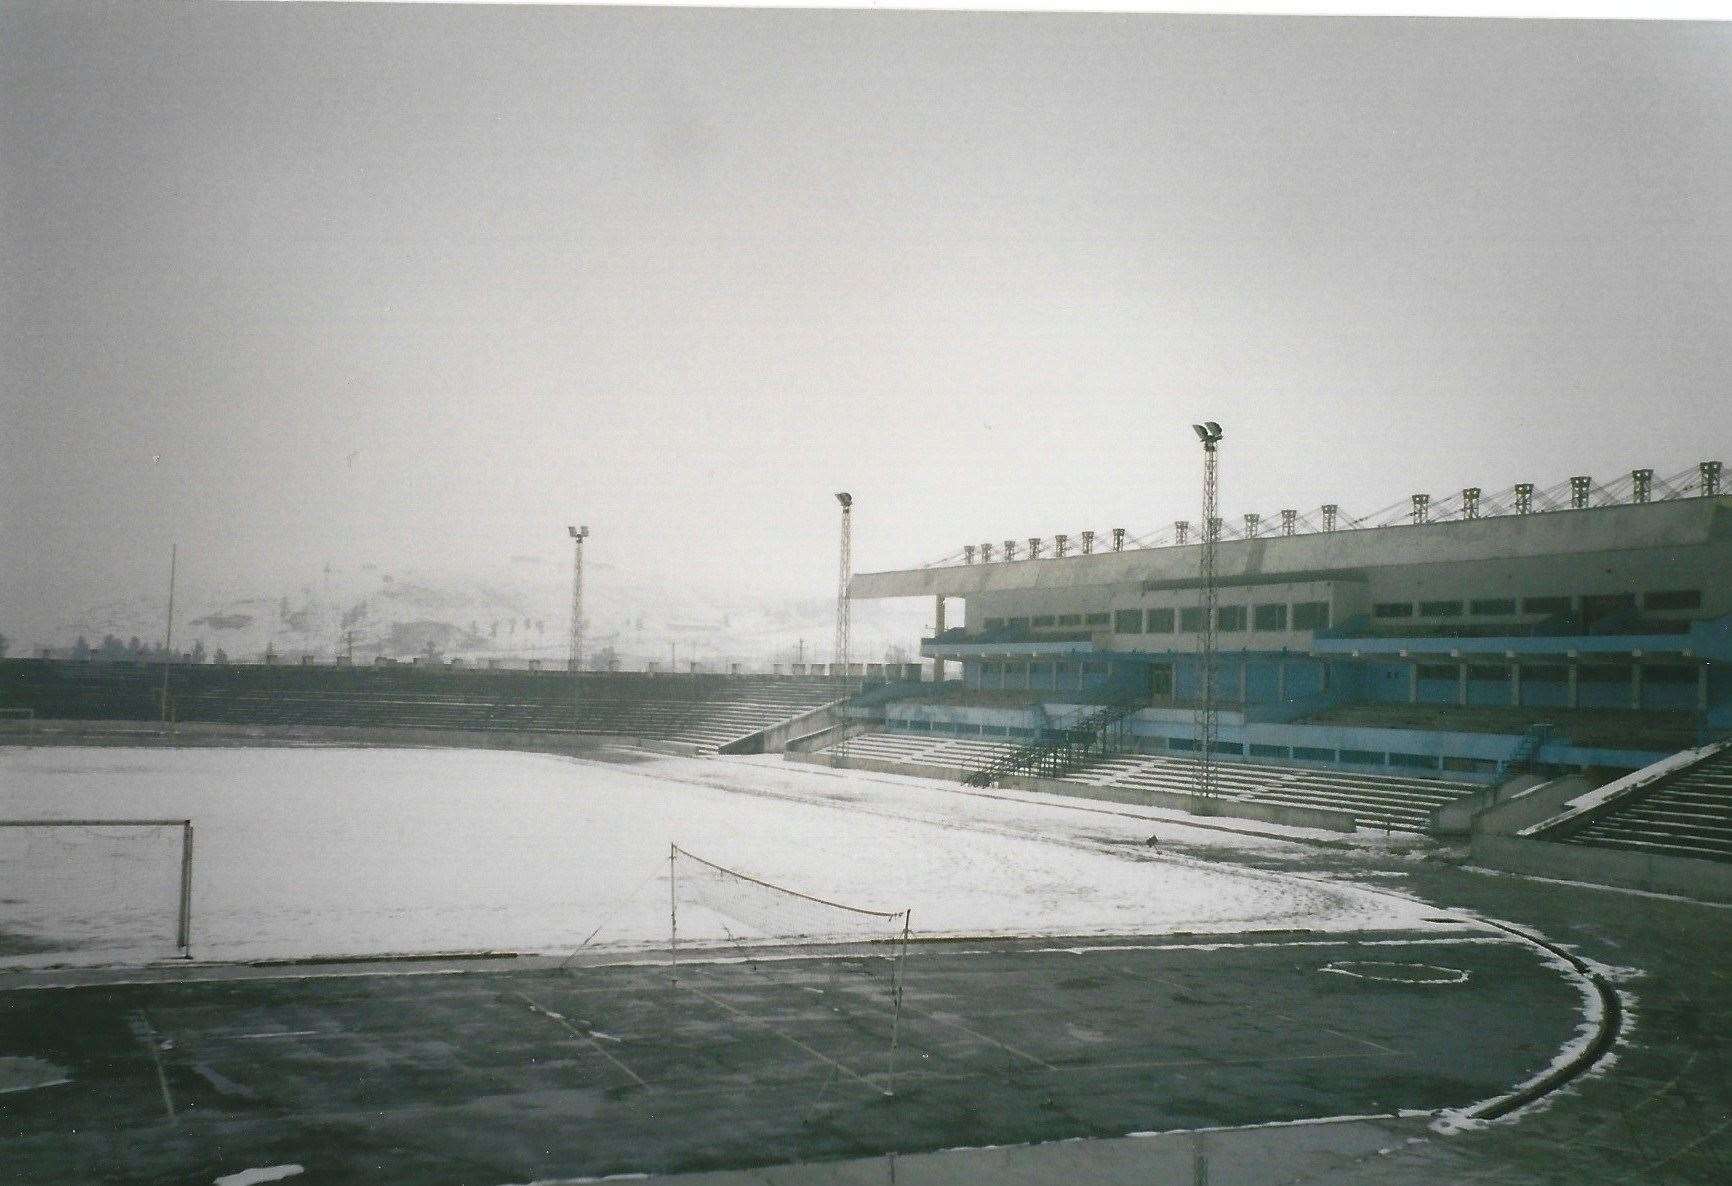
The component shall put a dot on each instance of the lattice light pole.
(1209, 433)
(843, 570)
(578, 535)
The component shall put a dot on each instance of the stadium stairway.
(1685, 814)
(1388, 801)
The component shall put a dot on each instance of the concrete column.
(938, 632)
(1575, 692)
(1635, 685)
(1461, 684)
(1413, 683)
(1028, 673)
(1702, 686)
(1515, 684)
(1244, 678)
(1281, 681)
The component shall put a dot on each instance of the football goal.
(750, 917)
(114, 888)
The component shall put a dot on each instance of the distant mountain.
(519, 614)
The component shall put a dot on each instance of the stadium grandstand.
(706, 712)
(1459, 651)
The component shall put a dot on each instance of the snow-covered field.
(305, 852)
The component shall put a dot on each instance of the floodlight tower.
(1209, 433)
(843, 570)
(578, 535)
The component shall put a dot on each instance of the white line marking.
(146, 1033)
(584, 1034)
(987, 1038)
(789, 1038)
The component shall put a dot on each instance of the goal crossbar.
(183, 906)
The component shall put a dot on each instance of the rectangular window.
(1128, 621)
(1160, 621)
(1392, 609)
(995, 623)
(1544, 673)
(1310, 753)
(1070, 619)
(1268, 751)
(1673, 599)
(1545, 605)
(1494, 607)
(1045, 620)
(1484, 672)
(1230, 619)
(1436, 671)
(1311, 615)
(1670, 674)
(1097, 620)
(1270, 617)
(1362, 757)
(1016, 624)
(1191, 619)
(1440, 609)
(1414, 761)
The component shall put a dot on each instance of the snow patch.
(270, 1173)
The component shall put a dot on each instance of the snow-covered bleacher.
(1686, 814)
(1387, 801)
(704, 710)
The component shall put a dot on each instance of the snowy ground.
(304, 852)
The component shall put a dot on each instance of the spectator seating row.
(703, 710)
(1686, 814)
(1653, 730)
(1388, 801)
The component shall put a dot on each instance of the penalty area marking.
(1394, 973)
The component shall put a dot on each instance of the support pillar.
(1702, 686)
(1515, 684)
(1635, 685)
(1575, 690)
(1244, 678)
(938, 632)
(1413, 683)
(1281, 680)
(1461, 684)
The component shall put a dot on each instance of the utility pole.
(168, 633)
(843, 570)
(1209, 433)
(578, 535)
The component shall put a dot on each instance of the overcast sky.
(420, 285)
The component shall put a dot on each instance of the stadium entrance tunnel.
(523, 1071)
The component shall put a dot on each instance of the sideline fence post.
(896, 997)
(673, 916)
(185, 929)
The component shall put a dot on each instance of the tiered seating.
(1387, 801)
(1612, 728)
(923, 750)
(703, 710)
(1687, 814)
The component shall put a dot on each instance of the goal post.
(780, 916)
(99, 882)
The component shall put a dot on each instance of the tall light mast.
(843, 570)
(578, 535)
(1209, 433)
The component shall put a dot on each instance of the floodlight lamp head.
(578, 532)
(1208, 432)
(847, 500)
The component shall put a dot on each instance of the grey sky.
(681, 274)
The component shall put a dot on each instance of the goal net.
(711, 906)
(95, 890)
